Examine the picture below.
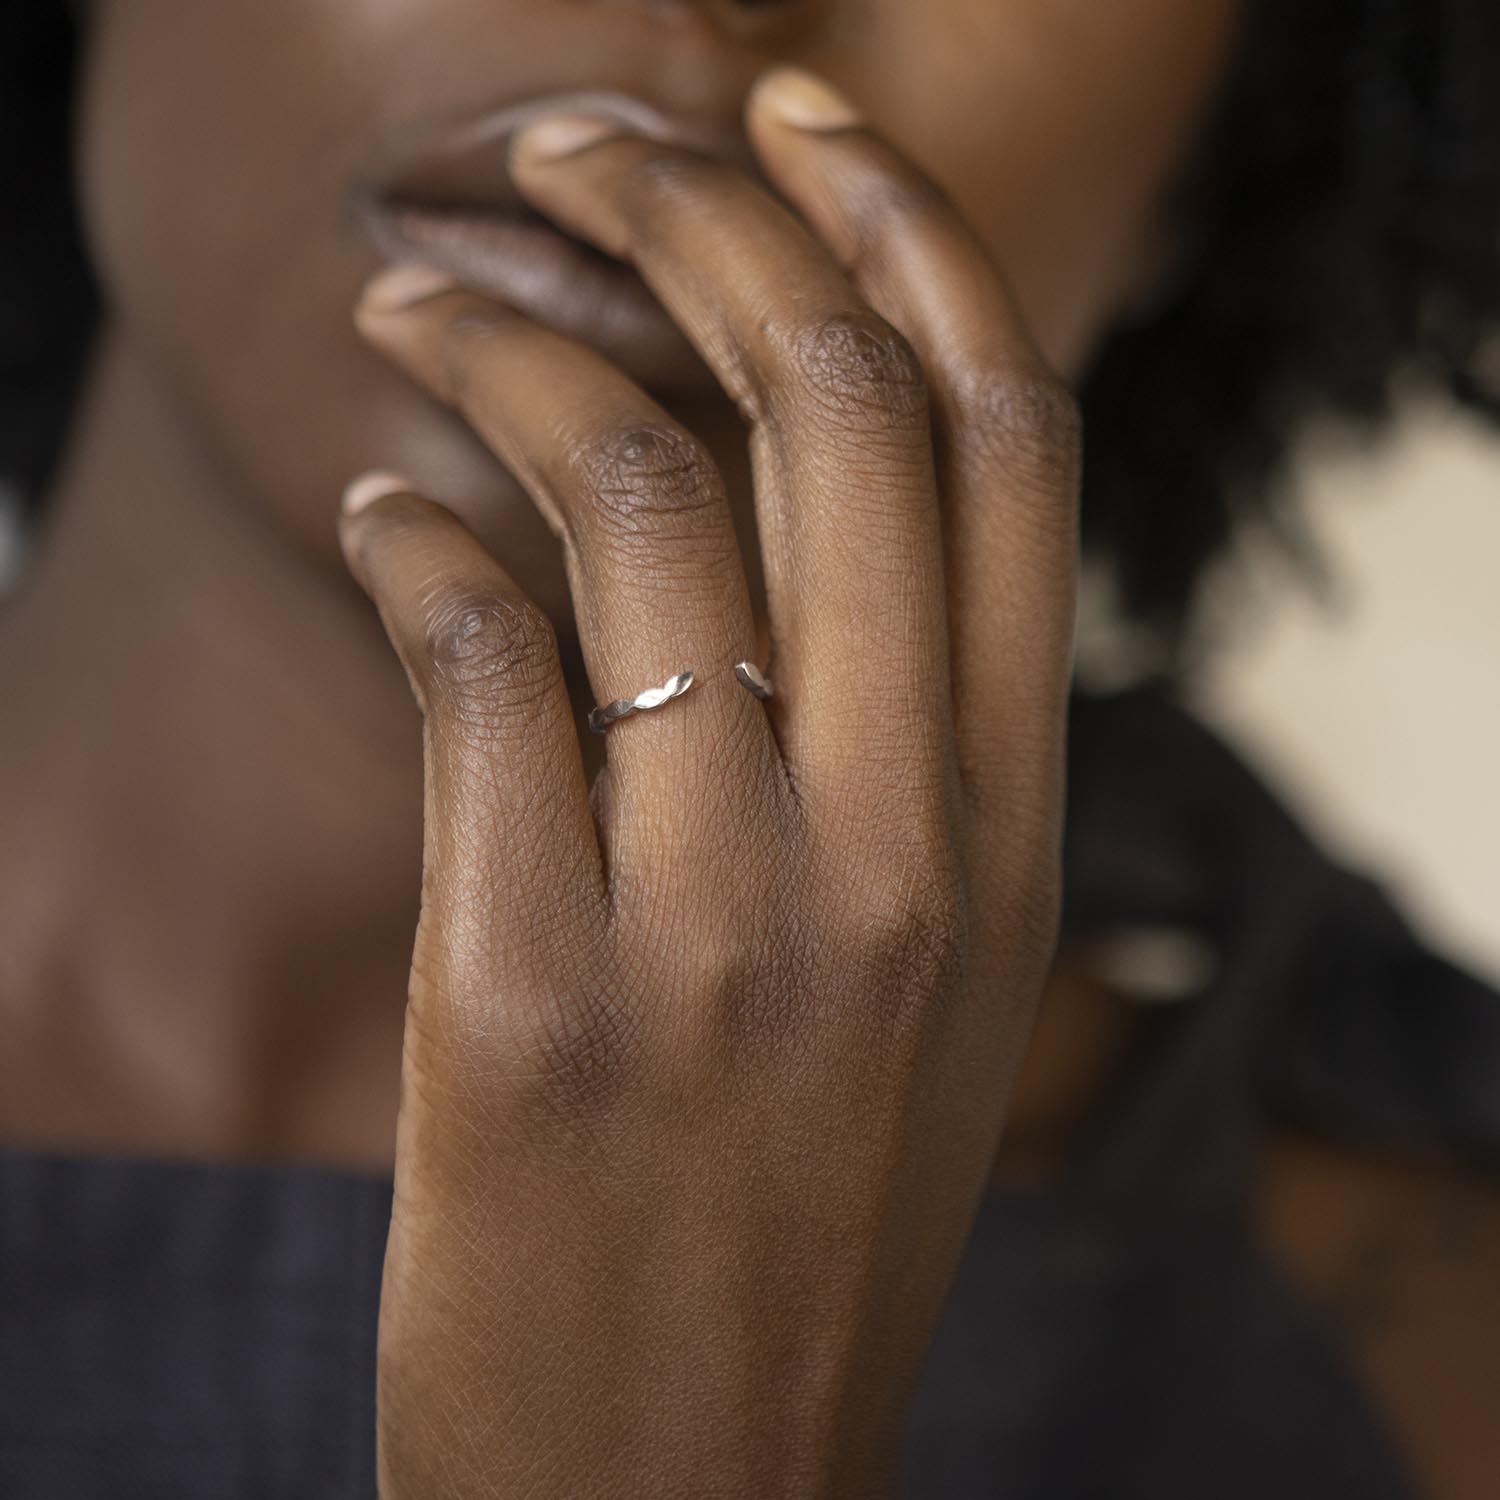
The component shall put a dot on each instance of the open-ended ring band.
(750, 676)
(746, 673)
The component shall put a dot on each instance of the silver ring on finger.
(622, 708)
(751, 677)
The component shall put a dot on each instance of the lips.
(450, 204)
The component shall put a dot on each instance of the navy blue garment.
(173, 1330)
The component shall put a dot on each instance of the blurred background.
(1375, 707)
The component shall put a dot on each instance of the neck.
(210, 785)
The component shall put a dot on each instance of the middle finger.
(841, 440)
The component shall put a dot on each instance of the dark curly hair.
(51, 305)
(1345, 214)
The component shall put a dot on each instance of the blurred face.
(249, 163)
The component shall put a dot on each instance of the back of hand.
(705, 1070)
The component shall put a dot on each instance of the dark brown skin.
(706, 1057)
(712, 1088)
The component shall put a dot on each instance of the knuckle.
(722, 971)
(649, 478)
(557, 1057)
(912, 941)
(485, 644)
(916, 923)
(905, 912)
(1021, 419)
(586, 1051)
(856, 365)
(757, 990)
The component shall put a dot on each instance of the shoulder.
(1352, 1027)
(1402, 1254)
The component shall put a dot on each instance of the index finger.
(509, 834)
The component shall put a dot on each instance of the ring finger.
(658, 581)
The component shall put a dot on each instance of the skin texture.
(708, 1047)
(829, 1101)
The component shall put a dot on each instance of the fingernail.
(400, 287)
(560, 135)
(369, 488)
(800, 98)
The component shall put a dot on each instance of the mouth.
(451, 205)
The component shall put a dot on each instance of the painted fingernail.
(369, 488)
(560, 135)
(800, 98)
(399, 287)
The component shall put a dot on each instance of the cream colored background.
(1378, 716)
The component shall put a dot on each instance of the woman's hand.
(704, 1076)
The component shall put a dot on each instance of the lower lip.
(548, 277)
